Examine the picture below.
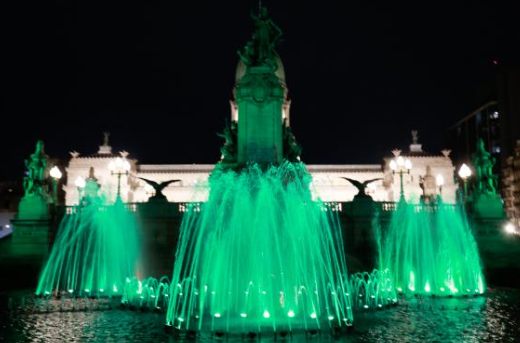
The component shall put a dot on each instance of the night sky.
(159, 74)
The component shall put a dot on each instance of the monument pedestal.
(33, 207)
(359, 236)
(31, 238)
(31, 227)
(488, 207)
(161, 222)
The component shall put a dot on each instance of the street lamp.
(119, 166)
(80, 184)
(510, 229)
(439, 180)
(55, 174)
(401, 166)
(465, 173)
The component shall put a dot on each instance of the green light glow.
(372, 290)
(430, 249)
(260, 256)
(149, 293)
(95, 250)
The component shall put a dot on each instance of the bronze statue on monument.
(260, 50)
(486, 202)
(36, 166)
(486, 181)
(158, 187)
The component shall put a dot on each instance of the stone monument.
(34, 205)
(31, 226)
(260, 95)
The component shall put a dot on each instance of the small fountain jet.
(158, 187)
(361, 186)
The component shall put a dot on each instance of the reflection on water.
(490, 318)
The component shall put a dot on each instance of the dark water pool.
(490, 318)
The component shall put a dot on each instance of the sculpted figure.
(261, 48)
(229, 149)
(483, 162)
(158, 187)
(36, 165)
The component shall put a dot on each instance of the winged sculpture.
(158, 187)
(361, 186)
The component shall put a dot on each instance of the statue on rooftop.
(36, 165)
(106, 135)
(415, 137)
(260, 50)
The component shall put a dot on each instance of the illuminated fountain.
(373, 290)
(430, 250)
(260, 256)
(95, 251)
(150, 293)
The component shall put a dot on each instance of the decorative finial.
(446, 153)
(74, 154)
(396, 152)
(123, 153)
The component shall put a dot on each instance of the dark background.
(158, 74)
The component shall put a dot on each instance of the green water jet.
(260, 256)
(430, 250)
(95, 251)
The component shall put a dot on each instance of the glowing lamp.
(393, 165)
(439, 179)
(119, 165)
(464, 171)
(80, 182)
(510, 229)
(55, 173)
(407, 164)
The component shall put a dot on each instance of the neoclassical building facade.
(328, 181)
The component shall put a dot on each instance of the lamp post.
(119, 166)
(80, 184)
(56, 175)
(401, 166)
(465, 173)
(439, 180)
